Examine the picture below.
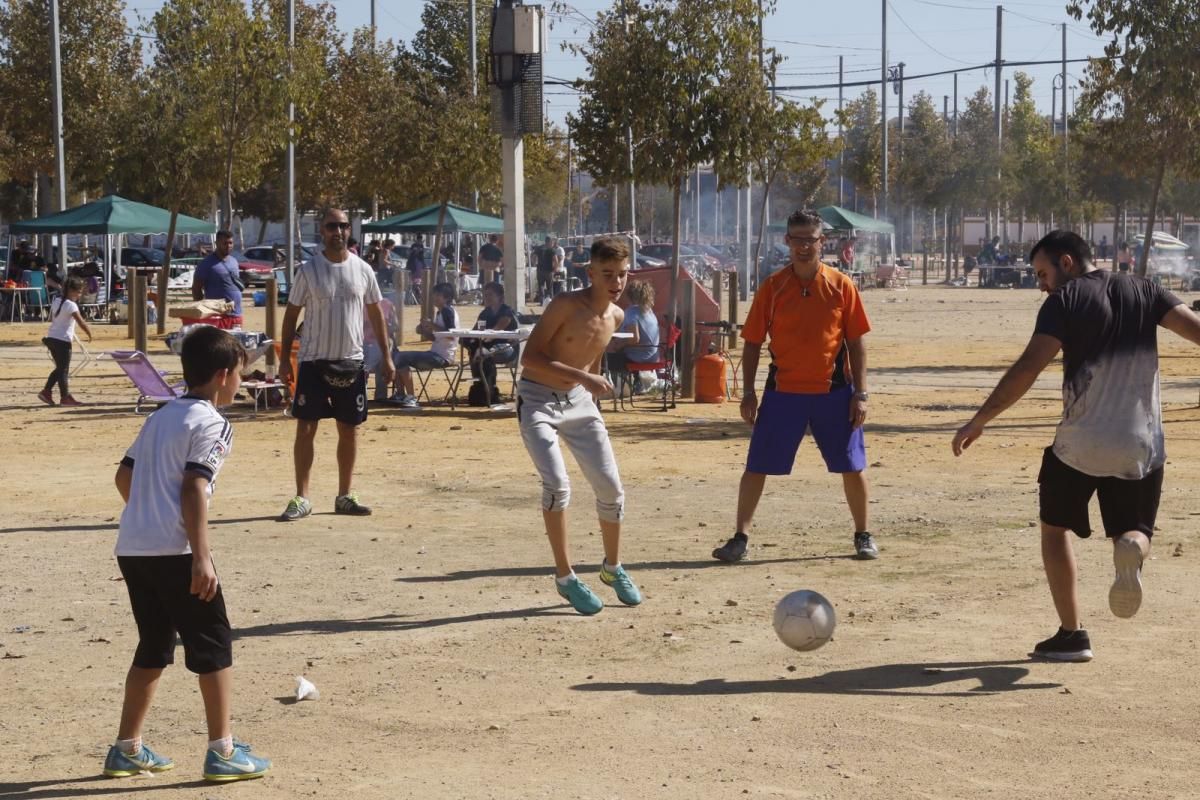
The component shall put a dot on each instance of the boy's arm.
(193, 501)
(124, 480)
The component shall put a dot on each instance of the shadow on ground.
(901, 680)
(545, 570)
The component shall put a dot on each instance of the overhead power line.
(988, 65)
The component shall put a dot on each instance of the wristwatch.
(861, 396)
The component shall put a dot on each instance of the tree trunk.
(676, 224)
(762, 225)
(1158, 181)
(227, 192)
(164, 274)
(262, 231)
(612, 209)
(435, 267)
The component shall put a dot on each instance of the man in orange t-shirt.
(817, 380)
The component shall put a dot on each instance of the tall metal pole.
(1065, 122)
(883, 86)
(841, 152)
(996, 103)
(956, 105)
(291, 153)
(60, 160)
(629, 165)
(373, 28)
(473, 34)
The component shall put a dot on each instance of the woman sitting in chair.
(486, 354)
(642, 347)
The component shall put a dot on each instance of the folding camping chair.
(662, 370)
(151, 385)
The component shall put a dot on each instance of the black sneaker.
(733, 550)
(348, 504)
(1065, 646)
(864, 546)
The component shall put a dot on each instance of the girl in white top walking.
(64, 315)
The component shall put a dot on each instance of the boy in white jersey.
(166, 480)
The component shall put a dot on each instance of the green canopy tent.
(111, 215)
(843, 220)
(425, 220)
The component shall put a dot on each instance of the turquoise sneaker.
(581, 598)
(621, 583)
(240, 766)
(120, 765)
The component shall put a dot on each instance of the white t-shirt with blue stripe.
(186, 435)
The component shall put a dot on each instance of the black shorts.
(163, 605)
(316, 399)
(1125, 505)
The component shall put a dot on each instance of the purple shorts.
(782, 419)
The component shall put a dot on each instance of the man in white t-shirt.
(334, 289)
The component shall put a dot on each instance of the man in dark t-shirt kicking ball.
(1110, 439)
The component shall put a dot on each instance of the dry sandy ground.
(448, 668)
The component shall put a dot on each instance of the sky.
(927, 35)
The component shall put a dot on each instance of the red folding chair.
(662, 369)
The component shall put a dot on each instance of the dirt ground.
(448, 667)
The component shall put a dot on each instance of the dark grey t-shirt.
(1112, 415)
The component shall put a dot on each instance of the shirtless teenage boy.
(556, 398)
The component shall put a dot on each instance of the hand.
(966, 436)
(597, 385)
(858, 412)
(389, 370)
(749, 406)
(204, 578)
(89, 335)
(285, 370)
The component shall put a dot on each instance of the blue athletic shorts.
(782, 419)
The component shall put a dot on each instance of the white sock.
(565, 579)
(222, 746)
(612, 567)
(130, 746)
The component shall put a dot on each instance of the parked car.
(139, 258)
(695, 263)
(648, 262)
(256, 264)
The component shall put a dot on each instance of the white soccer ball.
(804, 620)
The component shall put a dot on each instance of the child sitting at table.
(64, 316)
(487, 353)
(440, 355)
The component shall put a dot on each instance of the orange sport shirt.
(809, 323)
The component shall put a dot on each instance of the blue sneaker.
(120, 765)
(581, 598)
(240, 766)
(621, 583)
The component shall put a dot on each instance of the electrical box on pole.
(518, 41)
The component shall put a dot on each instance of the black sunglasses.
(337, 226)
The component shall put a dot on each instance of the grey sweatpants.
(547, 414)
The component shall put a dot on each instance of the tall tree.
(233, 63)
(976, 158)
(546, 179)
(863, 145)
(785, 137)
(1148, 85)
(99, 62)
(448, 138)
(1034, 178)
(682, 80)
